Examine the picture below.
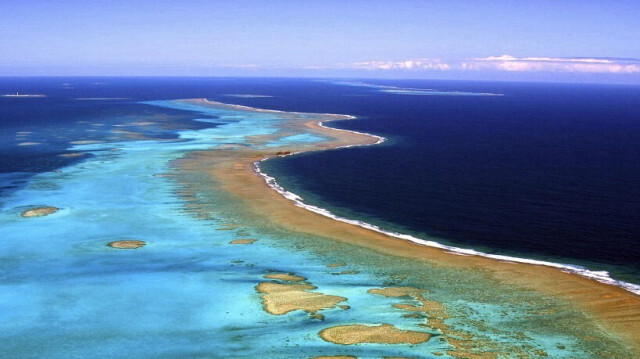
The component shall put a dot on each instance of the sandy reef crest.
(614, 309)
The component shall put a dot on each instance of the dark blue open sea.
(546, 171)
(543, 171)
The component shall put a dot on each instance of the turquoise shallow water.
(189, 293)
(66, 294)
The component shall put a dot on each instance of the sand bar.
(19, 95)
(40, 211)
(381, 334)
(287, 277)
(29, 143)
(281, 299)
(127, 244)
(243, 241)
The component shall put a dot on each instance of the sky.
(456, 39)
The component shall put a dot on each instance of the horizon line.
(321, 77)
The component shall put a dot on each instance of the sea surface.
(536, 171)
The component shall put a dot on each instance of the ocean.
(535, 171)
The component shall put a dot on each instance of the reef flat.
(598, 305)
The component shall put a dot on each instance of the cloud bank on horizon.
(593, 41)
(505, 63)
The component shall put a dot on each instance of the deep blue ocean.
(544, 171)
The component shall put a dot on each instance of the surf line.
(600, 276)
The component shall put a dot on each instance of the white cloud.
(243, 66)
(414, 64)
(505, 63)
(553, 64)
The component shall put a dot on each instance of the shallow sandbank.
(281, 298)
(381, 334)
(127, 244)
(40, 211)
(243, 241)
(287, 277)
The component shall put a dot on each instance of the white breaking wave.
(600, 276)
(379, 138)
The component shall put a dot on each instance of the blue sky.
(556, 40)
